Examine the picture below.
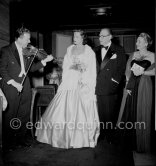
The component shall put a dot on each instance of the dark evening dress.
(136, 114)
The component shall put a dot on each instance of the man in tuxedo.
(13, 68)
(111, 63)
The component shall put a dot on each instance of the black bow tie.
(106, 47)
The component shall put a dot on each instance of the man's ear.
(111, 37)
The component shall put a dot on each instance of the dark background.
(48, 15)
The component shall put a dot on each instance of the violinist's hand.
(17, 85)
(48, 58)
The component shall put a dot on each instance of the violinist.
(13, 70)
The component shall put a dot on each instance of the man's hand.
(18, 86)
(48, 58)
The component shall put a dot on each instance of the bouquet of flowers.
(79, 66)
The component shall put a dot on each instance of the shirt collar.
(18, 47)
(108, 44)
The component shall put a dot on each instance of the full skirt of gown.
(70, 121)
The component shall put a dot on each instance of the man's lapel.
(99, 58)
(15, 53)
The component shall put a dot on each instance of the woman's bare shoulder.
(151, 56)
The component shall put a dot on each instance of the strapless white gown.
(71, 119)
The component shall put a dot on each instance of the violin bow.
(28, 69)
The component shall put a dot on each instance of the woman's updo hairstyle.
(147, 39)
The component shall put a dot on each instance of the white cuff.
(114, 81)
(10, 81)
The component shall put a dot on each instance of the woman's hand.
(129, 92)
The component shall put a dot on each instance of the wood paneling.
(4, 24)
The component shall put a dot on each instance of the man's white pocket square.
(113, 56)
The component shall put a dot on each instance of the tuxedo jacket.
(10, 67)
(110, 70)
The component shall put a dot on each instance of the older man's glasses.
(102, 36)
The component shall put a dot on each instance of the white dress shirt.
(104, 51)
(21, 60)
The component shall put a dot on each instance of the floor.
(103, 154)
(42, 154)
(144, 159)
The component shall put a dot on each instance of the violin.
(33, 51)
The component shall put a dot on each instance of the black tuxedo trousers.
(17, 114)
(107, 114)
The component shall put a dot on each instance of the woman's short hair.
(147, 38)
(20, 31)
(83, 34)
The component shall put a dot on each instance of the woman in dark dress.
(135, 112)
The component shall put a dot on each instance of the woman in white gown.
(4, 101)
(71, 119)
